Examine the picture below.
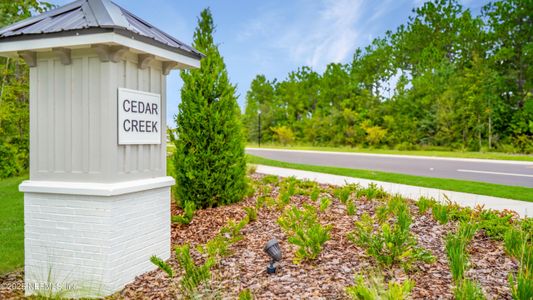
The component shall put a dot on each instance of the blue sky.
(277, 36)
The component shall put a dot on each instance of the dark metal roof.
(94, 14)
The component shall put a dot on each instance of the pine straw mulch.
(325, 278)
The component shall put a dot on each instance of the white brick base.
(89, 246)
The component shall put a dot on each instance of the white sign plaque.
(139, 117)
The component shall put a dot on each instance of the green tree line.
(461, 82)
(14, 94)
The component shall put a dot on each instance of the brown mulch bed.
(330, 274)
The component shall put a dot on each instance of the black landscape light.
(274, 251)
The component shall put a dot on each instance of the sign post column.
(97, 203)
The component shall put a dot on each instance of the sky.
(275, 37)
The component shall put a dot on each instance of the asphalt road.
(494, 171)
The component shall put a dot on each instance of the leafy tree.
(461, 82)
(14, 94)
(209, 158)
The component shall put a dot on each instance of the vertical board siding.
(59, 117)
(73, 122)
(40, 130)
(94, 113)
(67, 89)
(75, 116)
(50, 116)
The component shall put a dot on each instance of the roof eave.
(35, 42)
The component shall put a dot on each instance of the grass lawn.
(456, 154)
(480, 188)
(11, 225)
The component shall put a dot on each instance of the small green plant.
(216, 247)
(251, 169)
(457, 256)
(288, 185)
(372, 191)
(513, 242)
(251, 213)
(324, 204)
(194, 274)
(270, 179)
(315, 193)
(374, 288)
(350, 208)
(232, 230)
(494, 224)
(246, 294)
(467, 230)
(424, 204)
(188, 213)
(468, 290)
(522, 283)
(392, 243)
(440, 213)
(283, 199)
(161, 264)
(305, 231)
(344, 193)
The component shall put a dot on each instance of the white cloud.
(313, 33)
(329, 35)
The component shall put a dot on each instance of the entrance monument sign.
(97, 202)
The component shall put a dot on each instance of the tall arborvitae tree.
(210, 165)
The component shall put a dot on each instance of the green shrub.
(424, 204)
(283, 199)
(216, 247)
(390, 244)
(246, 294)
(350, 208)
(440, 213)
(283, 134)
(210, 163)
(468, 290)
(493, 224)
(344, 192)
(373, 191)
(374, 288)
(194, 274)
(232, 229)
(315, 193)
(467, 230)
(251, 213)
(513, 241)
(305, 231)
(270, 179)
(518, 244)
(522, 283)
(188, 214)
(9, 165)
(457, 256)
(324, 204)
(288, 185)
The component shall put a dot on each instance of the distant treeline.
(461, 82)
(14, 94)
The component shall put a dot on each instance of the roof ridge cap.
(107, 13)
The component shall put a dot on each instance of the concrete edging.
(523, 208)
